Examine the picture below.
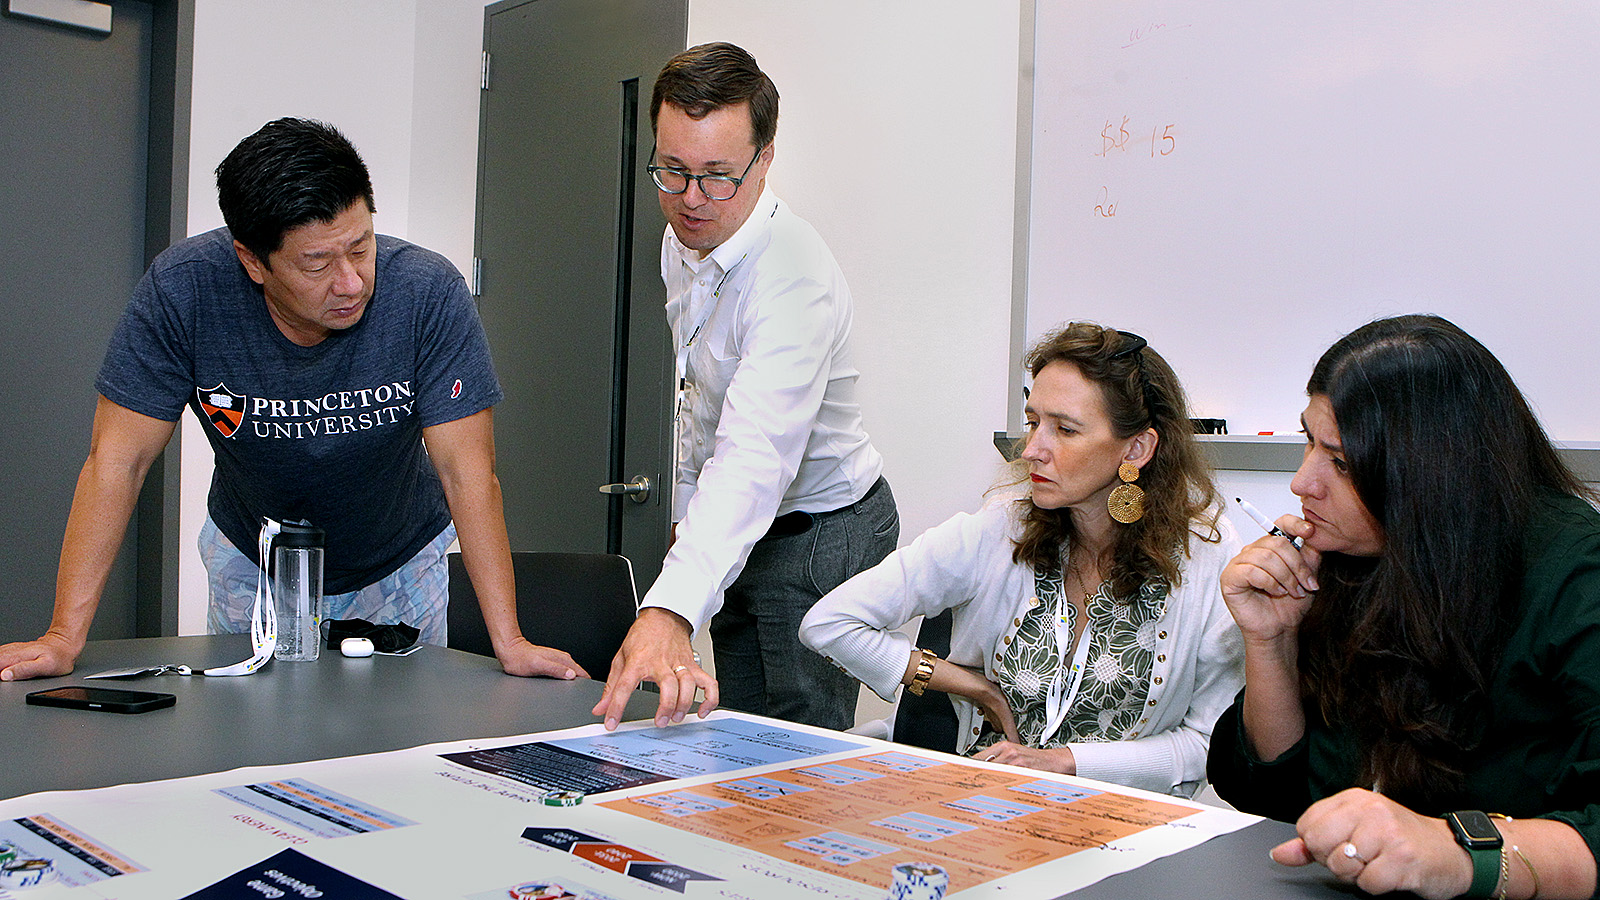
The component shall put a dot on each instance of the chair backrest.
(929, 720)
(582, 603)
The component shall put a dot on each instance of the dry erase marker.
(1266, 526)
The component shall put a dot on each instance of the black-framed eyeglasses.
(715, 187)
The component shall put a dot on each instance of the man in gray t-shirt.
(341, 377)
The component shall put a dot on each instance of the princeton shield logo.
(223, 408)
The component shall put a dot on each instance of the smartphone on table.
(102, 699)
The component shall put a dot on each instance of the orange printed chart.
(734, 807)
(857, 817)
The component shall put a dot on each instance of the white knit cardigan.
(965, 564)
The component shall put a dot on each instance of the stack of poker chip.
(562, 798)
(918, 881)
(17, 871)
(534, 890)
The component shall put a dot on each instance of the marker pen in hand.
(1266, 526)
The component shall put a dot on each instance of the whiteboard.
(1243, 182)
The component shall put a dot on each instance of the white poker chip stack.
(918, 881)
(537, 891)
(24, 873)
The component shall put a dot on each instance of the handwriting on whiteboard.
(1105, 208)
(1121, 138)
(1145, 32)
(1116, 138)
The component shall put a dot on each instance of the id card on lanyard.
(681, 364)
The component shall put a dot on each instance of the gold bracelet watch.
(919, 681)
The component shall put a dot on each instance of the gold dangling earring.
(1126, 503)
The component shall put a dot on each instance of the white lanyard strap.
(716, 298)
(711, 308)
(263, 616)
(681, 398)
(1056, 705)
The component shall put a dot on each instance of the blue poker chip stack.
(18, 872)
(918, 881)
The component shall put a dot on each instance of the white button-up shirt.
(767, 420)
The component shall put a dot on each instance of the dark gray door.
(569, 238)
(84, 118)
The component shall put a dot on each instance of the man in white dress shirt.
(780, 495)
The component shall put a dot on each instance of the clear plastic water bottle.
(297, 591)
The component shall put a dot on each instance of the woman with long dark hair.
(1087, 627)
(1430, 657)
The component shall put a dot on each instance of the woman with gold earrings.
(1089, 636)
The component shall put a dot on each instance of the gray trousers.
(762, 667)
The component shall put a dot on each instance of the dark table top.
(1231, 867)
(285, 713)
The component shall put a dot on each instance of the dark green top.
(1541, 754)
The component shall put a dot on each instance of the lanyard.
(263, 616)
(1055, 704)
(716, 298)
(711, 308)
(681, 398)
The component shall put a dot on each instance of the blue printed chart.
(76, 859)
(616, 760)
(731, 808)
(314, 810)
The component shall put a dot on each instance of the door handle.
(638, 490)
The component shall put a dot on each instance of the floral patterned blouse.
(1116, 677)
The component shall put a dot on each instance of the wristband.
(1477, 834)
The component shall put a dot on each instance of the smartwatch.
(1477, 834)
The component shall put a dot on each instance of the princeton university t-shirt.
(330, 434)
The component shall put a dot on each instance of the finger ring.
(1351, 852)
(679, 668)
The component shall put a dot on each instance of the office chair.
(582, 603)
(928, 721)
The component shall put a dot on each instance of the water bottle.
(297, 591)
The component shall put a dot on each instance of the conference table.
(338, 707)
